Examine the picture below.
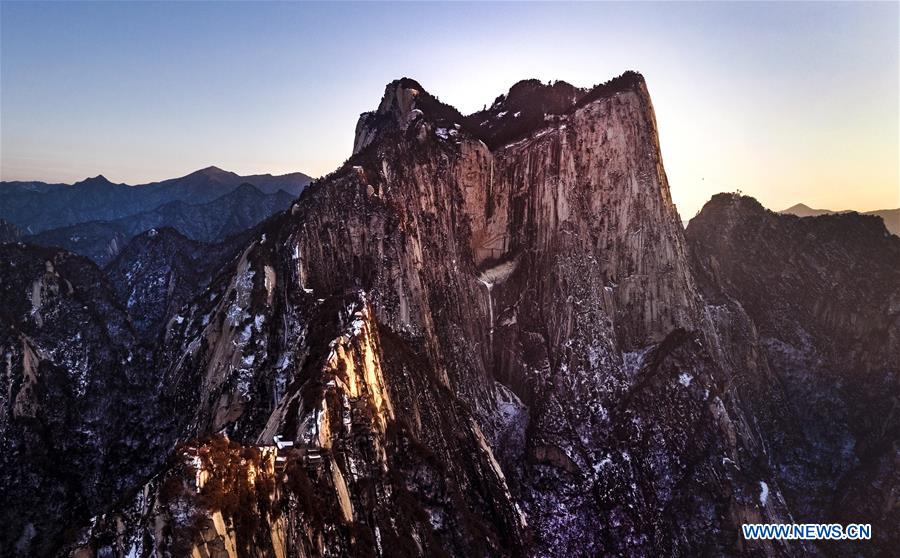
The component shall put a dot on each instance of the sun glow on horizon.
(787, 102)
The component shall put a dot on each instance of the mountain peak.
(797, 207)
(213, 171)
(525, 108)
(399, 97)
(404, 101)
(732, 201)
(405, 83)
(98, 180)
(803, 210)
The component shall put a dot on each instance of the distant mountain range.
(35, 207)
(209, 222)
(96, 218)
(891, 217)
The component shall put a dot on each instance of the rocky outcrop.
(214, 498)
(528, 306)
(377, 465)
(823, 295)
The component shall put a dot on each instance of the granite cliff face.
(485, 336)
(528, 306)
(589, 317)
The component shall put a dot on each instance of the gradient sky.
(786, 102)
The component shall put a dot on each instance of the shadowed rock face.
(78, 426)
(161, 270)
(823, 294)
(483, 340)
(9, 232)
(891, 217)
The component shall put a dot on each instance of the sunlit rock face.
(823, 294)
(484, 337)
(404, 468)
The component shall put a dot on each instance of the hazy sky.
(787, 102)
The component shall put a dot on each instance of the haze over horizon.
(787, 102)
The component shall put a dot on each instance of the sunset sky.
(786, 102)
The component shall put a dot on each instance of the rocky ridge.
(483, 340)
(823, 294)
(543, 272)
(891, 217)
(161, 270)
